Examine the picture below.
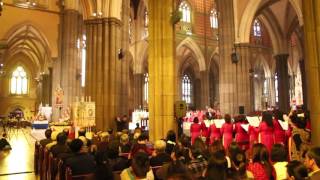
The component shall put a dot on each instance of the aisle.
(18, 163)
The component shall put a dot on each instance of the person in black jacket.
(81, 162)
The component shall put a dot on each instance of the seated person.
(296, 171)
(279, 160)
(139, 169)
(4, 144)
(125, 146)
(198, 163)
(116, 162)
(54, 135)
(81, 162)
(141, 145)
(48, 140)
(83, 132)
(61, 146)
(159, 154)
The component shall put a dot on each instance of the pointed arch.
(28, 40)
(139, 51)
(189, 43)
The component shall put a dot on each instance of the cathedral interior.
(147, 54)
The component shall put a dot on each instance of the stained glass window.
(186, 89)
(19, 81)
(256, 28)
(214, 19)
(186, 12)
(146, 87)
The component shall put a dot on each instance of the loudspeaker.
(241, 109)
(180, 108)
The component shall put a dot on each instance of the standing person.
(260, 165)
(195, 129)
(279, 133)
(214, 133)
(119, 124)
(242, 136)
(226, 131)
(125, 122)
(299, 142)
(266, 131)
(253, 135)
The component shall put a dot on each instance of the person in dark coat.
(159, 155)
(81, 162)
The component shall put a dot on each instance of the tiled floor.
(18, 163)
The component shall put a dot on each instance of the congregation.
(230, 152)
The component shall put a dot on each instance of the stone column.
(283, 82)
(227, 72)
(138, 90)
(123, 74)
(46, 83)
(304, 83)
(311, 14)
(161, 68)
(205, 97)
(103, 69)
(69, 53)
(244, 81)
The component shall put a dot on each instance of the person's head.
(195, 120)
(136, 135)
(267, 117)
(61, 138)
(195, 152)
(312, 160)
(217, 166)
(104, 137)
(143, 138)
(185, 141)
(124, 139)
(299, 122)
(234, 150)
(278, 115)
(239, 163)
(198, 142)
(47, 133)
(54, 135)
(66, 131)
(296, 171)
(160, 146)
(113, 150)
(76, 145)
(177, 152)
(278, 153)
(82, 132)
(227, 118)
(260, 155)
(4, 135)
(140, 164)
(110, 131)
(216, 146)
(84, 140)
(171, 136)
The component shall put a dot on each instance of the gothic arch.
(139, 51)
(189, 43)
(261, 62)
(110, 8)
(250, 13)
(28, 40)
